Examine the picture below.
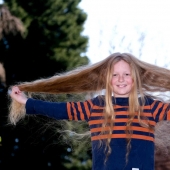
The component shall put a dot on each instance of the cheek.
(130, 81)
(113, 81)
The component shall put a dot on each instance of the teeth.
(121, 85)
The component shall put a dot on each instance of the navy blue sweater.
(141, 155)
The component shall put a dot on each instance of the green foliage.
(53, 40)
(52, 43)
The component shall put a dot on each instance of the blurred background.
(41, 38)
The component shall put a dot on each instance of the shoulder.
(98, 100)
(147, 100)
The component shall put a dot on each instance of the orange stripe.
(74, 111)
(147, 107)
(80, 110)
(120, 113)
(134, 136)
(162, 112)
(97, 107)
(142, 129)
(90, 102)
(87, 109)
(135, 121)
(127, 113)
(96, 114)
(153, 104)
(69, 111)
(147, 114)
(115, 107)
(92, 122)
(119, 107)
(156, 111)
(168, 115)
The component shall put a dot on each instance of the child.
(121, 121)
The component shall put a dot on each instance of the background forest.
(37, 40)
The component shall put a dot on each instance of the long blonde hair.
(96, 78)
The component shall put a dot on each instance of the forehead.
(121, 65)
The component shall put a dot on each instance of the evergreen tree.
(52, 42)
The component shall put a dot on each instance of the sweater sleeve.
(160, 110)
(57, 110)
(80, 110)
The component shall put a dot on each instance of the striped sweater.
(141, 155)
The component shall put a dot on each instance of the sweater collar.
(120, 100)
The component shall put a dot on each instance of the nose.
(121, 78)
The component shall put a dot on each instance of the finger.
(9, 92)
(16, 90)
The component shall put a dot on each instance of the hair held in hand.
(96, 78)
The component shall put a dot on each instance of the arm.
(60, 110)
(57, 110)
(160, 110)
(38, 107)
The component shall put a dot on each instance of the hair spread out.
(95, 78)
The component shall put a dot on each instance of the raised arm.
(22, 105)
(57, 110)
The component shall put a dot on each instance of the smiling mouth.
(122, 85)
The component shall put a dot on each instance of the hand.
(18, 95)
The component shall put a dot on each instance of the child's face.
(122, 81)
